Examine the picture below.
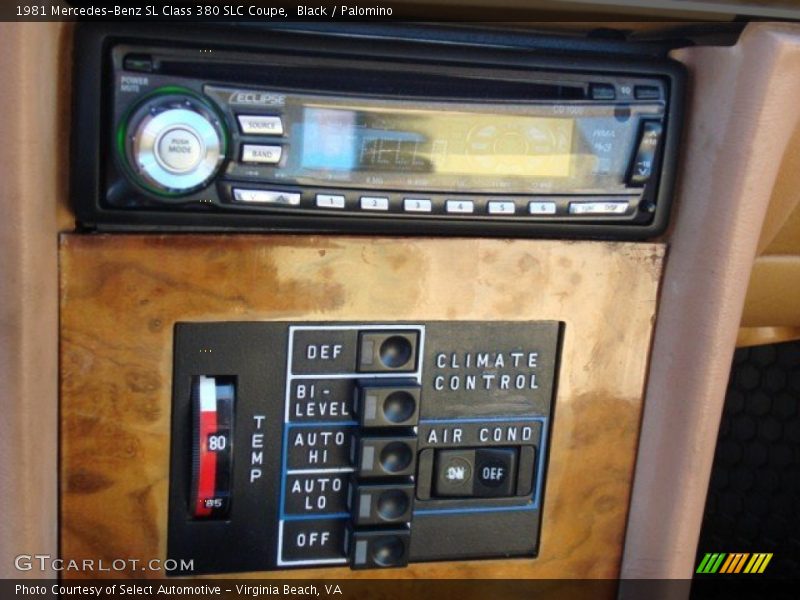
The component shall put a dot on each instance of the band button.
(267, 155)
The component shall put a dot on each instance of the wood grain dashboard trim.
(121, 295)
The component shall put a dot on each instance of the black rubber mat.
(753, 500)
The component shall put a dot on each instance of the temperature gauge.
(212, 446)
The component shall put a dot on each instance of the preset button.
(416, 205)
(497, 207)
(542, 208)
(330, 201)
(374, 203)
(460, 206)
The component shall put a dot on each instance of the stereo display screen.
(539, 148)
(448, 143)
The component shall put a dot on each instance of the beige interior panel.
(741, 114)
(33, 160)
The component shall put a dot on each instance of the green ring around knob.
(123, 128)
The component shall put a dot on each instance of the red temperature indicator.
(212, 446)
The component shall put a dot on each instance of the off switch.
(495, 472)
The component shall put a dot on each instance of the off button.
(495, 472)
(179, 150)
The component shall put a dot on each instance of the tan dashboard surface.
(773, 294)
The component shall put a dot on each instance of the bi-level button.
(388, 405)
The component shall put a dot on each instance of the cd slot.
(395, 82)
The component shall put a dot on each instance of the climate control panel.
(363, 444)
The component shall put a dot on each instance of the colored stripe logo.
(733, 563)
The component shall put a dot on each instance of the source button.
(260, 125)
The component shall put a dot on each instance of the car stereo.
(469, 141)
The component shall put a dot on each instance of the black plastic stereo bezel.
(92, 114)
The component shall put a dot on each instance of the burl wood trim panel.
(121, 295)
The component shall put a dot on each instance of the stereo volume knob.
(174, 143)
